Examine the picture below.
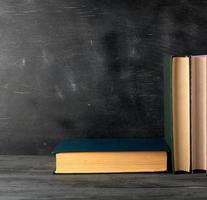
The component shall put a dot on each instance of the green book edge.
(168, 108)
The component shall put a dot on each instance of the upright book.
(111, 155)
(199, 112)
(177, 110)
(168, 108)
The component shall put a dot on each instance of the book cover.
(168, 108)
(177, 111)
(111, 155)
(110, 145)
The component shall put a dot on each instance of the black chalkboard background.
(88, 68)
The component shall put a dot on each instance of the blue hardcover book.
(111, 155)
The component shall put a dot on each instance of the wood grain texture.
(30, 177)
(87, 68)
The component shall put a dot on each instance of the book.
(198, 112)
(181, 113)
(168, 108)
(111, 155)
(177, 111)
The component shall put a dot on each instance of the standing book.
(199, 112)
(177, 110)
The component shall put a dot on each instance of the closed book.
(198, 112)
(177, 111)
(111, 155)
(181, 113)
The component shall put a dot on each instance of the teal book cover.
(168, 108)
(110, 145)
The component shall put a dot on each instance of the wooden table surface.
(30, 177)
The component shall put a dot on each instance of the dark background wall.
(88, 68)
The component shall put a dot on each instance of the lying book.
(111, 155)
(199, 112)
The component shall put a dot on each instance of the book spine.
(168, 108)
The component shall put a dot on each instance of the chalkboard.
(88, 68)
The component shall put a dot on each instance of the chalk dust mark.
(45, 57)
(59, 92)
(23, 61)
(73, 86)
(21, 92)
(91, 42)
(4, 118)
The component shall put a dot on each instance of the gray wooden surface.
(30, 177)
